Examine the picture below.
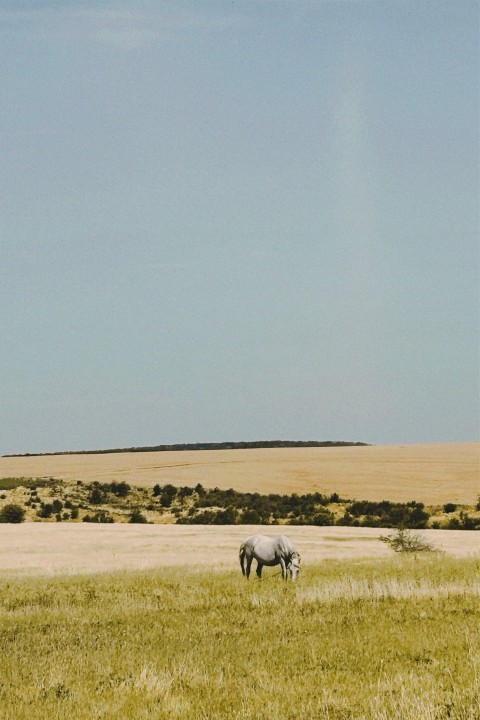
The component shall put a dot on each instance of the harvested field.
(61, 548)
(438, 473)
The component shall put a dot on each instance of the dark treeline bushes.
(219, 507)
(99, 491)
(254, 508)
(386, 514)
(208, 446)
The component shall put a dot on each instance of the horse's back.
(253, 540)
(267, 549)
(285, 544)
(277, 543)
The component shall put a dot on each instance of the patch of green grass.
(396, 639)
(10, 483)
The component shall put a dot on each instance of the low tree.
(449, 507)
(46, 510)
(323, 518)
(136, 516)
(12, 514)
(120, 489)
(250, 517)
(168, 495)
(97, 495)
(57, 506)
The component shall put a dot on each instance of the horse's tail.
(241, 556)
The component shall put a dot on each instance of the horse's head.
(294, 565)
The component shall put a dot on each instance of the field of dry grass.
(439, 473)
(168, 628)
(56, 548)
(393, 638)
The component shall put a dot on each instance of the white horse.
(270, 551)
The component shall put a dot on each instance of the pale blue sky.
(238, 221)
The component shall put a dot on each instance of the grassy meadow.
(154, 621)
(367, 639)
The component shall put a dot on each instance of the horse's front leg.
(283, 565)
(259, 570)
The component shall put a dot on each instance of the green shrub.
(120, 489)
(100, 517)
(46, 510)
(168, 495)
(12, 514)
(250, 517)
(449, 507)
(323, 518)
(97, 495)
(136, 516)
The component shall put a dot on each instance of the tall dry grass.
(391, 639)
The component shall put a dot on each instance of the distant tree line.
(206, 446)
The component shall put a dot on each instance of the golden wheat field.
(437, 473)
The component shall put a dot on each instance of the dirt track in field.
(431, 474)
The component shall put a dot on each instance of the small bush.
(449, 507)
(250, 517)
(323, 518)
(97, 495)
(12, 514)
(404, 540)
(168, 495)
(120, 489)
(137, 517)
(100, 517)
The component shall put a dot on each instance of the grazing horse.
(269, 551)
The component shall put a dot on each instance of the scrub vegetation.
(61, 501)
(392, 639)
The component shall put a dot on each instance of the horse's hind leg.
(249, 565)
(259, 570)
